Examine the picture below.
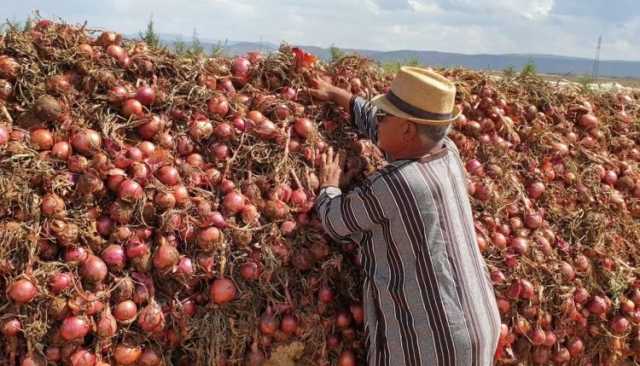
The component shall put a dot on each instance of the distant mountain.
(548, 64)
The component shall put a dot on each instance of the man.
(428, 298)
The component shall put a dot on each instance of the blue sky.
(561, 27)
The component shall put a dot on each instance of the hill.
(550, 64)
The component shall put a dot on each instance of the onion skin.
(87, 142)
(222, 291)
(22, 291)
(93, 269)
(74, 327)
(11, 327)
(126, 355)
(42, 139)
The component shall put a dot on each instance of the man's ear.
(409, 131)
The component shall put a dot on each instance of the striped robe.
(427, 295)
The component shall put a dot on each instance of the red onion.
(11, 327)
(597, 305)
(268, 323)
(576, 347)
(42, 139)
(620, 325)
(77, 163)
(168, 175)
(126, 355)
(588, 121)
(537, 336)
(610, 177)
(146, 95)
(536, 190)
(75, 255)
(474, 167)
(185, 266)
(53, 354)
(83, 357)
(298, 198)
(151, 319)
(250, 271)
(234, 202)
(250, 214)
(60, 282)
(181, 194)
(150, 128)
(326, 295)
(200, 130)
(288, 93)
(256, 116)
(223, 131)
(238, 123)
(304, 127)
(266, 129)
(221, 152)
(528, 290)
(60, 150)
(22, 291)
(132, 108)
(87, 142)
(9, 67)
(165, 256)
(125, 311)
(106, 325)
(4, 135)
(93, 269)
(499, 240)
(149, 358)
(347, 358)
(130, 191)
(567, 271)
(288, 324)
(288, 227)
(222, 291)
(74, 327)
(218, 105)
(209, 238)
(118, 94)
(114, 256)
(240, 66)
(52, 205)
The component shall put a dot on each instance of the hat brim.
(383, 103)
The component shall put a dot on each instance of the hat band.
(415, 111)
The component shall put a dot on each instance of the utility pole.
(596, 60)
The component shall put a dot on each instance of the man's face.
(392, 134)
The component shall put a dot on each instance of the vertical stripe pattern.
(427, 297)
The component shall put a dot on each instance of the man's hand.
(325, 91)
(331, 169)
(321, 89)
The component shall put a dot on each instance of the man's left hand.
(331, 169)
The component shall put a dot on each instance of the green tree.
(180, 46)
(218, 48)
(196, 46)
(529, 69)
(509, 72)
(150, 36)
(28, 24)
(412, 61)
(336, 53)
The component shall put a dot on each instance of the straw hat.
(420, 95)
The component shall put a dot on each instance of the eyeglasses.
(380, 114)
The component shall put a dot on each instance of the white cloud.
(531, 9)
(467, 26)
